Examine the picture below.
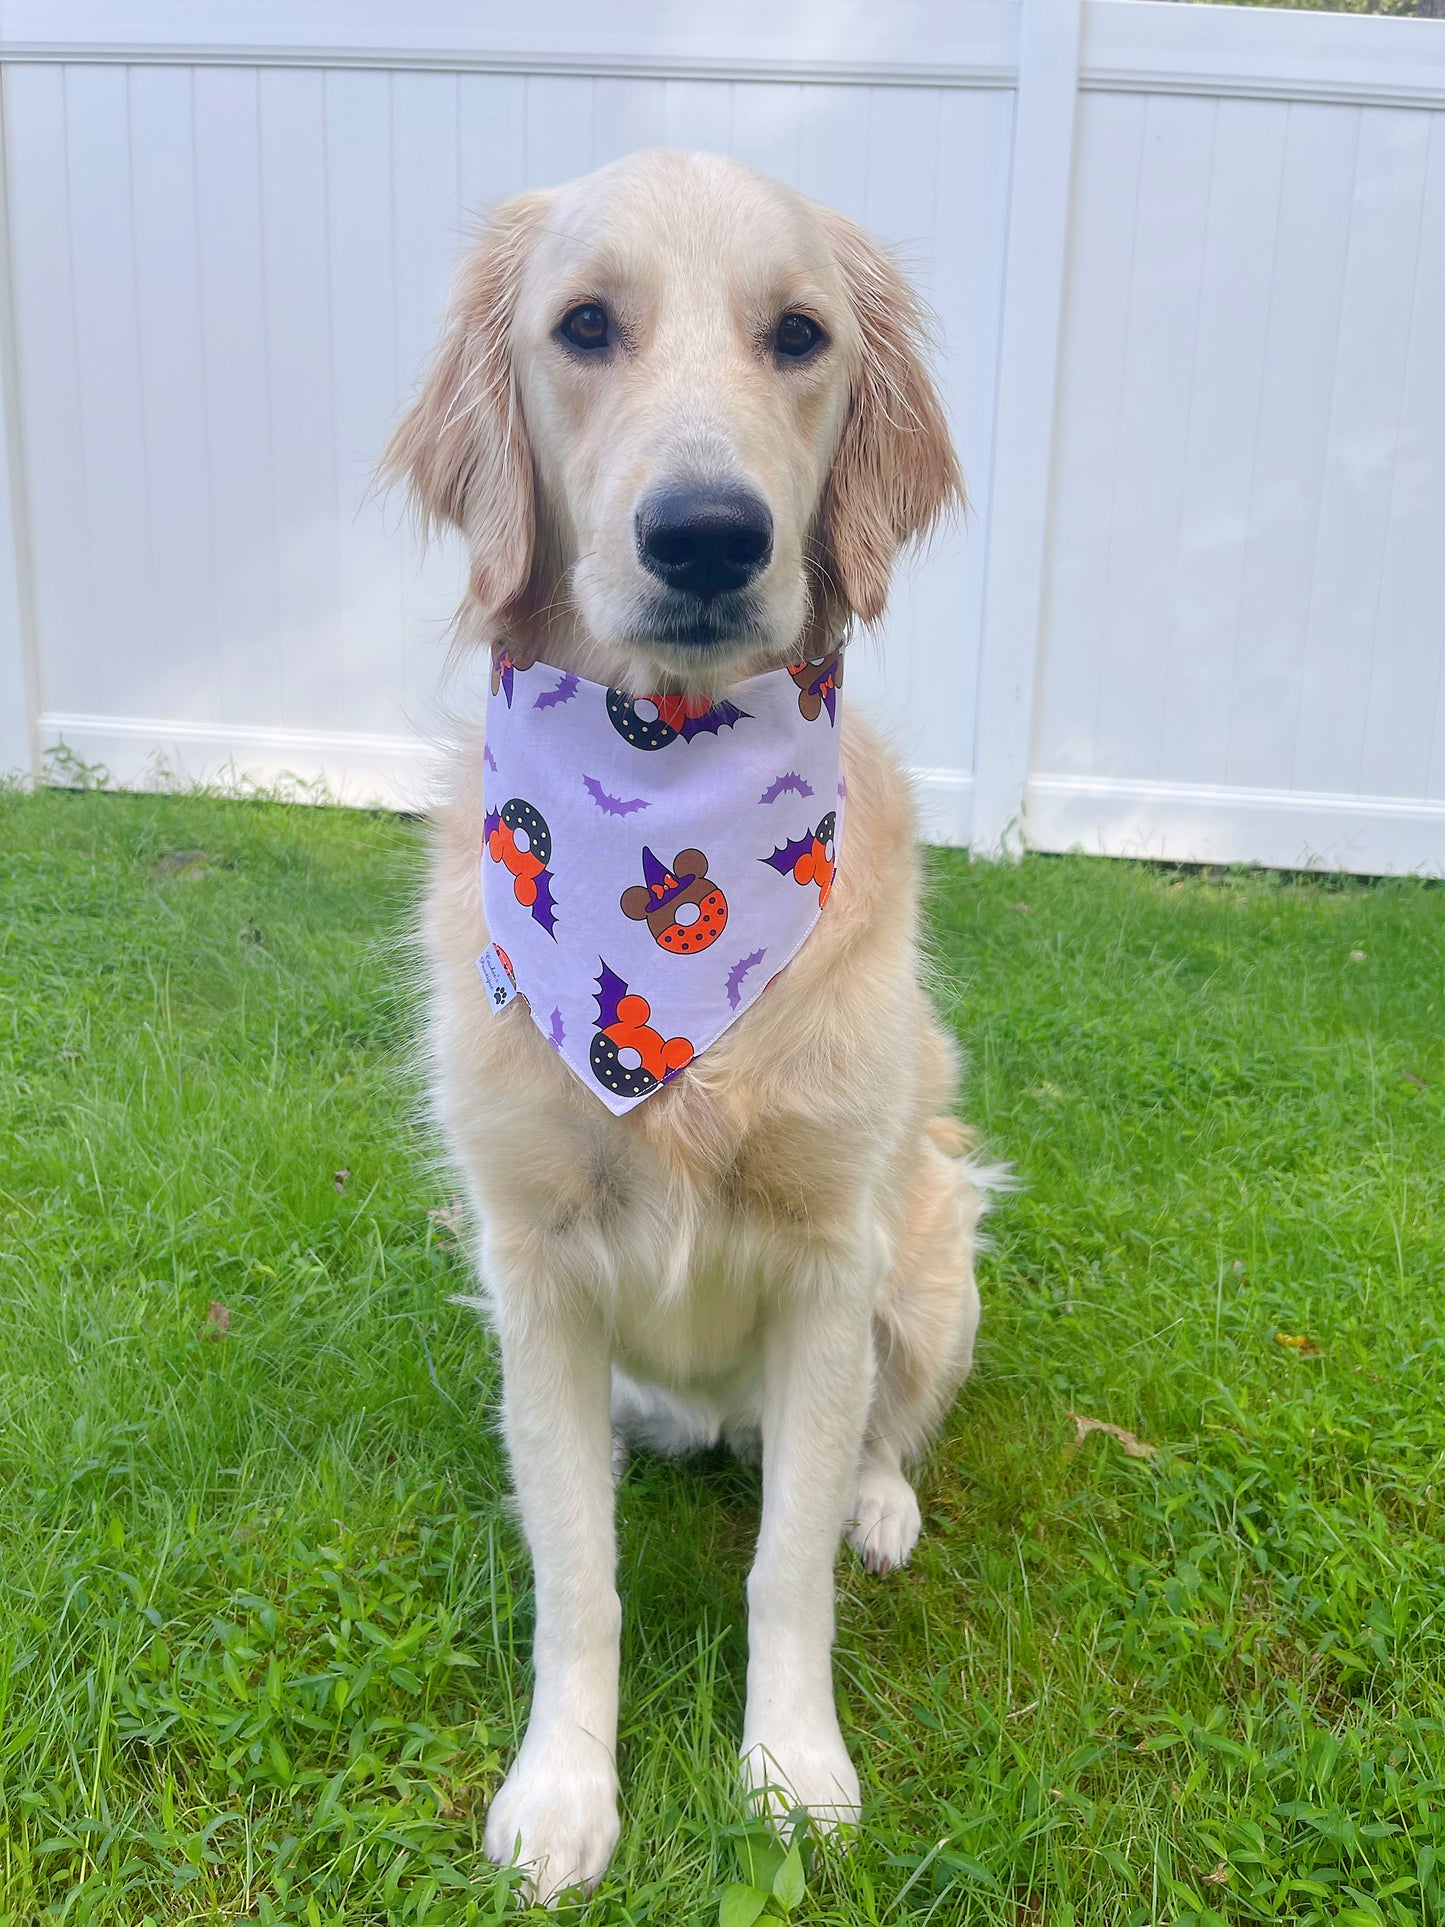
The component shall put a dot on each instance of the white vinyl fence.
(1188, 264)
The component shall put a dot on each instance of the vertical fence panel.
(364, 367)
(115, 677)
(1229, 342)
(47, 399)
(297, 267)
(240, 470)
(1377, 298)
(626, 115)
(1086, 447)
(1158, 403)
(1311, 247)
(173, 395)
(1403, 736)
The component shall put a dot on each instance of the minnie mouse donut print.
(682, 906)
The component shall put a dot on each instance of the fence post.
(1033, 287)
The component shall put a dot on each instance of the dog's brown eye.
(798, 336)
(586, 327)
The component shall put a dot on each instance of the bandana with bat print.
(651, 863)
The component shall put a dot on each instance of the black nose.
(705, 541)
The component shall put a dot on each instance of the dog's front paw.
(804, 1764)
(556, 1814)
(886, 1522)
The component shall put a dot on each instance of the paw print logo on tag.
(498, 976)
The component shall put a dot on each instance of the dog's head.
(679, 414)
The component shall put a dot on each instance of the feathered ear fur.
(462, 445)
(895, 474)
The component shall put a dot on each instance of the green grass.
(263, 1608)
(1418, 9)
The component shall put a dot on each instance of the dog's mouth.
(727, 624)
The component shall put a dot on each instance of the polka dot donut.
(637, 721)
(694, 925)
(529, 829)
(619, 1068)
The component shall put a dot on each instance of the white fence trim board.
(910, 42)
(1210, 823)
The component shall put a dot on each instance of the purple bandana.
(650, 865)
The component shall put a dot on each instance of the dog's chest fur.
(681, 1233)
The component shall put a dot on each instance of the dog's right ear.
(462, 446)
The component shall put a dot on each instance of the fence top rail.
(925, 42)
(1148, 46)
(1271, 53)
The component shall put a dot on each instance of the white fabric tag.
(647, 870)
(497, 976)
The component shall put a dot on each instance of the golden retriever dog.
(776, 1249)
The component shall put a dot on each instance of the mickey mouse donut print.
(810, 858)
(652, 722)
(682, 906)
(518, 838)
(628, 1056)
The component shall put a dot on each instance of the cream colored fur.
(776, 1248)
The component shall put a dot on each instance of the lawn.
(264, 1612)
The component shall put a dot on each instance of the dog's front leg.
(817, 1374)
(556, 1812)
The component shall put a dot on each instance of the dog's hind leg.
(923, 1336)
(885, 1522)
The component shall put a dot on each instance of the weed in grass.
(263, 1610)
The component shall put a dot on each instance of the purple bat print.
(780, 785)
(491, 821)
(783, 860)
(564, 692)
(557, 1035)
(489, 759)
(613, 805)
(611, 989)
(720, 716)
(740, 970)
(544, 911)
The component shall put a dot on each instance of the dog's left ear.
(895, 474)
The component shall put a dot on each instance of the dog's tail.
(960, 1141)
